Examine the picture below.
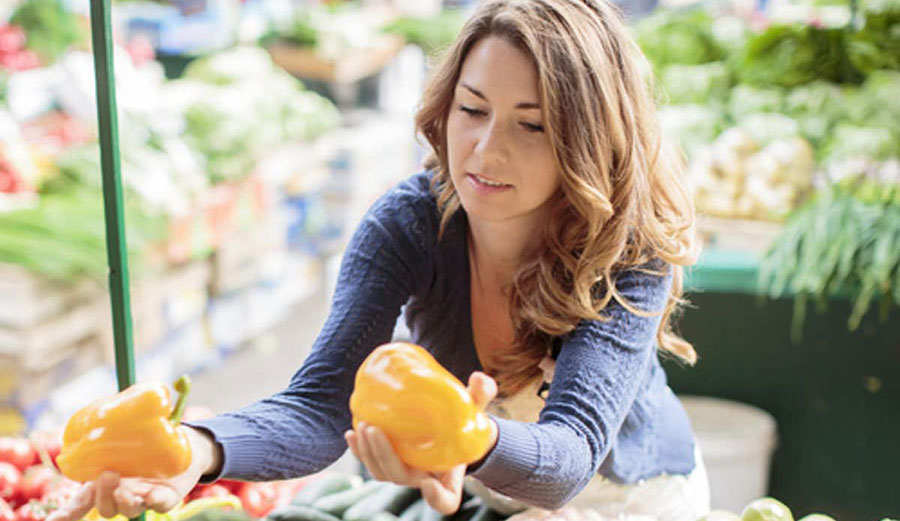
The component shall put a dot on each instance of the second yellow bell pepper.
(426, 412)
(134, 433)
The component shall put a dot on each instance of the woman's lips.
(485, 188)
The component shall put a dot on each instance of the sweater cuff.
(241, 450)
(513, 457)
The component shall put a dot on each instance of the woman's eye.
(533, 127)
(472, 111)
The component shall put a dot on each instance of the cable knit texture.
(609, 409)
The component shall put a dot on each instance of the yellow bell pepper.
(135, 433)
(426, 412)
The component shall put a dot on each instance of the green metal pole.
(116, 248)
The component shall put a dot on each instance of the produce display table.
(834, 395)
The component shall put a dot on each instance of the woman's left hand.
(441, 490)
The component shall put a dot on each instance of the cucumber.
(384, 516)
(467, 510)
(430, 514)
(414, 512)
(391, 498)
(338, 503)
(299, 513)
(325, 485)
(484, 513)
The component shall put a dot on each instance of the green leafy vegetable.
(431, 34)
(791, 55)
(696, 83)
(63, 237)
(877, 44)
(50, 27)
(746, 99)
(845, 240)
(679, 37)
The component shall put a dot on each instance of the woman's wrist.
(495, 434)
(207, 454)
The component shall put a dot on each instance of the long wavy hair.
(622, 201)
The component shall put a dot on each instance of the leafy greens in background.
(791, 55)
(431, 34)
(63, 237)
(846, 238)
(839, 87)
(679, 37)
(877, 44)
(49, 26)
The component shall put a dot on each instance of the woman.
(540, 254)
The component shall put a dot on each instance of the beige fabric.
(662, 498)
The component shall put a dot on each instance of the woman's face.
(501, 162)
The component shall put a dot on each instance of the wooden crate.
(27, 299)
(737, 234)
(357, 64)
(42, 345)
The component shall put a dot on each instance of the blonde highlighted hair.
(622, 201)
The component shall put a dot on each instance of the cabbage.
(696, 83)
(693, 126)
(746, 99)
(766, 127)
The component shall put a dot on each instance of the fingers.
(77, 507)
(483, 389)
(373, 448)
(128, 504)
(103, 496)
(162, 499)
(442, 491)
(439, 497)
(390, 463)
(359, 444)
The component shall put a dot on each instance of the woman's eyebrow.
(478, 93)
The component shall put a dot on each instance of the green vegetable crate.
(835, 395)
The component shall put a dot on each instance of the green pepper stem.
(182, 387)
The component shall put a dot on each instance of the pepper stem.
(182, 387)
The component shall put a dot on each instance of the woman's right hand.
(112, 495)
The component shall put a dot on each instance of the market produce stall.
(790, 126)
(790, 130)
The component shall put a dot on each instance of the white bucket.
(737, 441)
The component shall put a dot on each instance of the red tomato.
(258, 499)
(9, 182)
(37, 482)
(17, 451)
(12, 39)
(19, 61)
(287, 490)
(214, 490)
(233, 485)
(10, 482)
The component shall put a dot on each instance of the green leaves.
(50, 27)
(843, 242)
(791, 55)
(679, 37)
(64, 236)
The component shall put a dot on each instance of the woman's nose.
(492, 143)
